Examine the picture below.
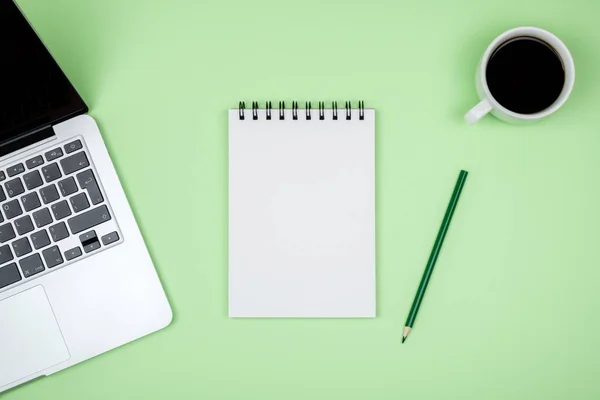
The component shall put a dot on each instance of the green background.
(512, 311)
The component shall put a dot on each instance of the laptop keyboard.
(52, 212)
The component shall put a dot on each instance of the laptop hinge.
(26, 139)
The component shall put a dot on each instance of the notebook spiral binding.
(308, 110)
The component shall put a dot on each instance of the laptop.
(76, 279)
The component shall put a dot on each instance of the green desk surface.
(513, 309)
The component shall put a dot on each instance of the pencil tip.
(405, 333)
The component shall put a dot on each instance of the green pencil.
(437, 246)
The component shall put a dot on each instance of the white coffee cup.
(489, 105)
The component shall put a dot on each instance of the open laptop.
(76, 279)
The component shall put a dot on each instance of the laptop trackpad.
(30, 340)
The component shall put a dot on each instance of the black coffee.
(525, 75)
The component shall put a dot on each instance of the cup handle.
(479, 111)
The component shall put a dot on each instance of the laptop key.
(30, 201)
(5, 254)
(49, 194)
(15, 170)
(6, 233)
(74, 163)
(51, 172)
(33, 180)
(21, 247)
(12, 209)
(92, 246)
(31, 265)
(79, 202)
(42, 217)
(34, 162)
(73, 146)
(73, 253)
(52, 257)
(59, 232)
(53, 154)
(87, 181)
(61, 210)
(89, 219)
(67, 186)
(2, 176)
(88, 237)
(40, 239)
(23, 225)
(9, 274)
(14, 187)
(2, 195)
(110, 238)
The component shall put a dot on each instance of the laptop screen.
(34, 92)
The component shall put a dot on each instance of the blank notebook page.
(302, 215)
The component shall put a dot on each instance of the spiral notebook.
(302, 211)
